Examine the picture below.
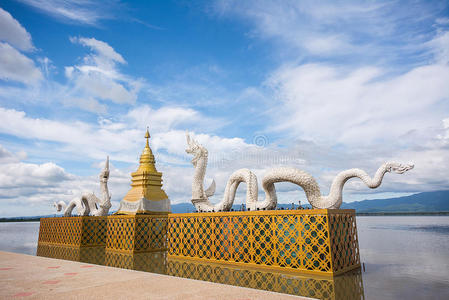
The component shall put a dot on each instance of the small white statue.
(200, 198)
(88, 203)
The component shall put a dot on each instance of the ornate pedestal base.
(319, 241)
(137, 233)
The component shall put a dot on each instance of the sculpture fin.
(188, 138)
(60, 205)
(106, 165)
(211, 189)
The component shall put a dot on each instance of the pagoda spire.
(146, 194)
(147, 136)
(147, 162)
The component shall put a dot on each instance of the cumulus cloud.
(32, 188)
(16, 175)
(167, 126)
(363, 117)
(360, 107)
(87, 104)
(15, 66)
(98, 77)
(7, 157)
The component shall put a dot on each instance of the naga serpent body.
(303, 179)
(88, 203)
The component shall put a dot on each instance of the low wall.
(309, 241)
(73, 231)
(317, 241)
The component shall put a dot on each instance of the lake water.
(405, 257)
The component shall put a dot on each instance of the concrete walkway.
(33, 277)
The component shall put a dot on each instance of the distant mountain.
(421, 202)
(182, 208)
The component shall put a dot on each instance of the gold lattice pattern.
(291, 239)
(137, 233)
(154, 262)
(94, 255)
(344, 241)
(348, 286)
(73, 231)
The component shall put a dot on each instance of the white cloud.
(364, 117)
(32, 188)
(99, 78)
(102, 87)
(88, 104)
(17, 67)
(360, 107)
(444, 136)
(84, 12)
(380, 32)
(102, 48)
(439, 45)
(13, 33)
(16, 175)
(328, 44)
(14, 66)
(121, 137)
(171, 117)
(8, 157)
(306, 25)
(442, 21)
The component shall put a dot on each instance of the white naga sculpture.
(88, 203)
(200, 197)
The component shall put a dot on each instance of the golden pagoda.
(146, 195)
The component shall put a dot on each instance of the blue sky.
(323, 87)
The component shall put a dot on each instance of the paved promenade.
(33, 277)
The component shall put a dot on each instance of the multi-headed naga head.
(104, 175)
(194, 148)
(398, 167)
